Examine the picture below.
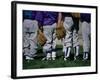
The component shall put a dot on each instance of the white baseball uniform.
(49, 27)
(49, 32)
(30, 28)
(71, 38)
(86, 31)
(86, 41)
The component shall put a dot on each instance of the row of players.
(33, 20)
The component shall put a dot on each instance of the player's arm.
(39, 18)
(59, 19)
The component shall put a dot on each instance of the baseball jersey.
(49, 18)
(28, 14)
(43, 17)
(39, 18)
(66, 15)
(33, 15)
(85, 17)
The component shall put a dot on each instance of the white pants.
(75, 38)
(86, 34)
(68, 22)
(71, 37)
(30, 28)
(49, 32)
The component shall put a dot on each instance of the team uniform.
(30, 27)
(49, 26)
(86, 20)
(75, 29)
(71, 38)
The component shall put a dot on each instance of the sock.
(48, 56)
(53, 55)
(85, 55)
(68, 50)
(64, 48)
(76, 50)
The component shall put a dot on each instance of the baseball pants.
(71, 38)
(30, 28)
(86, 33)
(49, 32)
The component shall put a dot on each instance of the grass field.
(59, 62)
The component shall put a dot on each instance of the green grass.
(59, 62)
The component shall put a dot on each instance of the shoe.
(53, 58)
(43, 58)
(65, 59)
(48, 57)
(29, 58)
(76, 52)
(53, 55)
(76, 58)
(85, 56)
(85, 59)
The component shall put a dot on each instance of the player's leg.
(32, 26)
(76, 37)
(64, 46)
(67, 53)
(75, 44)
(86, 41)
(68, 22)
(53, 42)
(26, 41)
(47, 30)
(33, 38)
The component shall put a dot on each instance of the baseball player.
(71, 38)
(30, 27)
(49, 26)
(86, 20)
(75, 29)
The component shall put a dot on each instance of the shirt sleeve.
(39, 17)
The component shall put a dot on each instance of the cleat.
(53, 55)
(85, 56)
(76, 58)
(43, 58)
(53, 58)
(65, 59)
(29, 58)
(48, 58)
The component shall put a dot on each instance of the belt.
(29, 32)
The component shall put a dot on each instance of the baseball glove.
(76, 15)
(41, 38)
(60, 31)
